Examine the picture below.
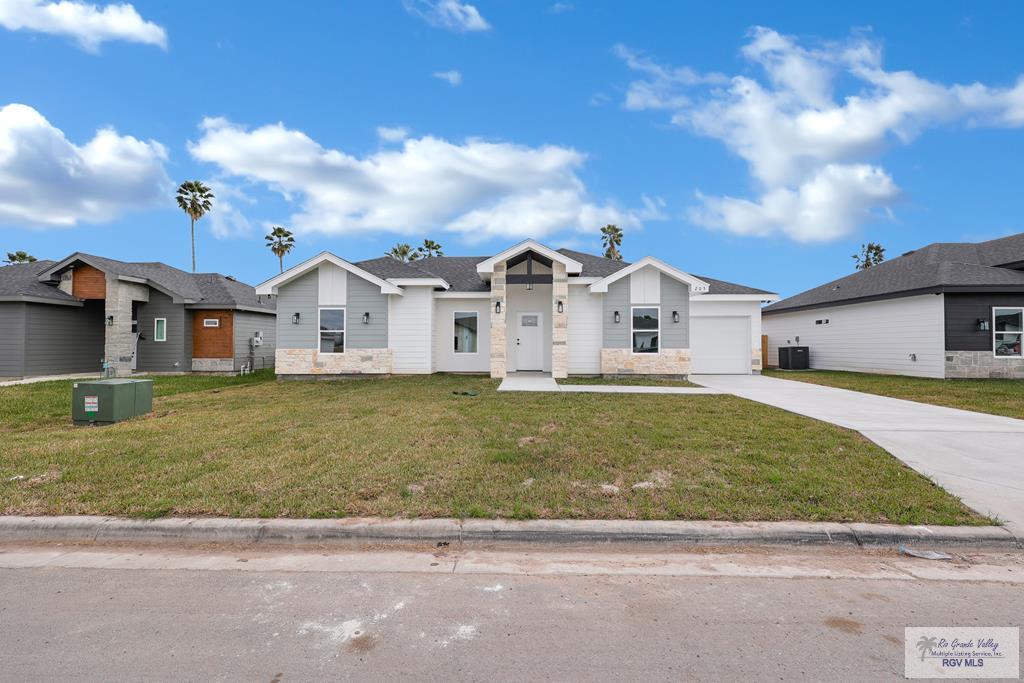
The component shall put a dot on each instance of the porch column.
(559, 321)
(117, 339)
(498, 334)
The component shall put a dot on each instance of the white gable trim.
(761, 298)
(572, 266)
(271, 285)
(419, 281)
(697, 286)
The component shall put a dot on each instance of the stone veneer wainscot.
(665, 362)
(982, 365)
(352, 362)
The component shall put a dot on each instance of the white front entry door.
(530, 342)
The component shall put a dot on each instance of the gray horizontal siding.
(12, 339)
(298, 296)
(675, 296)
(173, 355)
(616, 336)
(246, 325)
(365, 297)
(63, 339)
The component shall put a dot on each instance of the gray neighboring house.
(952, 310)
(84, 311)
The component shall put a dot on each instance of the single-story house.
(86, 312)
(529, 308)
(949, 310)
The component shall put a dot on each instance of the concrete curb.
(319, 531)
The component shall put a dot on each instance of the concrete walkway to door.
(975, 456)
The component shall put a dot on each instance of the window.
(466, 331)
(646, 327)
(1007, 330)
(211, 322)
(332, 330)
(160, 329)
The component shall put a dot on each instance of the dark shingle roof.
(594, 266)
(386, 267)
(22, 280)
(936, 267)
(457, 271)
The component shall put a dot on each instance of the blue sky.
(755, 144)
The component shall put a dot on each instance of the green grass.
(333, 449)
(995, 396)
(48, 404)
(629, 381)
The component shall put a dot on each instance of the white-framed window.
(211, 322)
(160, 329)
(466, 331)
(1007, 331)
(332, 330)
(645, 326)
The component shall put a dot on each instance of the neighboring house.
(945, 310)
(529, 308)
(74, 315)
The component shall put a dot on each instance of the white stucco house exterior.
(529, 308)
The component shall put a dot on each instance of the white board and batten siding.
(410, 318)
(893, 336)
(585, 333)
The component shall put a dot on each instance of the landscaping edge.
(378, 530)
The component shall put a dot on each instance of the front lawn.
(413, 446)
(995, 396)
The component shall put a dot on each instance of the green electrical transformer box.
(110, 400)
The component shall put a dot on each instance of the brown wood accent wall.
(213, 342)
(89, 283)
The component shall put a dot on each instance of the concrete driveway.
(978, 457)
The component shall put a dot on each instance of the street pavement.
(545, 613)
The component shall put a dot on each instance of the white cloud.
(453, 77)
(562, 7)
(396, 134)
(810, 151)
(448, 14)
(90, 25)
(48, 181)
(478, 189)
(228, 220)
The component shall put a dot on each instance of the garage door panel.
(720, 345)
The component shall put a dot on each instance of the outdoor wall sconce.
(618, 318)
(366, 318)
(675, 316)
(295, 318)
(497, 307)
(561, 308)
(110, 321)
(982, 325)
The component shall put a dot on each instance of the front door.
(530, 342)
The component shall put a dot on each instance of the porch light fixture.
(618, 318)
(497, 307)
(110, 321)
(675, 316)
(295, 318)
(366, 318)
(982, 324)
(561, 307)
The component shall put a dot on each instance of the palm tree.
(20, 257)
(194, 198)
(925, 645)
(280, 241)
(611, 238)
(403, 252)
(430, 248)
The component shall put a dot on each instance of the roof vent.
(230, 277)
(835, 287)
(908, 253)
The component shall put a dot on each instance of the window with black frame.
(646, 328)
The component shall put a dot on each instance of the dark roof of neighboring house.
(942, 266)
(198, 289)
(460, 271)
(21, 280)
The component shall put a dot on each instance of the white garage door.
(720, 346)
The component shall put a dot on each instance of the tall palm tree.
(430, 248)
(280, 241)
(403, 252)
(611, 238)
(195, 199)
(20, 257)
